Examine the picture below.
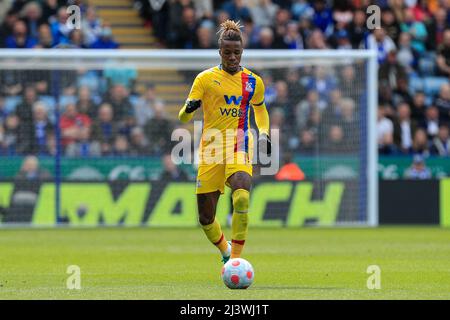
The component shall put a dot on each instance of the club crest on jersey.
(248, 87)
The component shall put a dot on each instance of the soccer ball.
(238, 274)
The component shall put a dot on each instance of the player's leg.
(240, 183)
(207, 204)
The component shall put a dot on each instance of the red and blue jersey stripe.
(248, 89)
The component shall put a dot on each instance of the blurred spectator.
(4, 7)
(138, 144)
(7, 26)
(441, 143)
(91, 26)
(335, 142)
(357, 28)
(104, 129)
(390, 24)
(431, 122)
(85, 103)
(3, 112)
(333, 112)
(204, 38)
(378, 40)
(40, 131)
(295, 88)
(45, 38)
(293, 38)
(404, 129)
(19, 39)
(349, 84)
(183, 36)
(59, 27)
(416, 29)
(50, 8)
(385, 133)
(389, 72)
(263, 13)
(289, 171)
(307, 143)
(171, 171)
(323, 82)
(301, 9)
(32, 16)
(436, 29)
(158, 131)
(121, 147)
(418, 169)
(10, 140)
(237, 10)
(31, 170)
(418, 106)
(443, 55)
(25, 109)
(421, 11)
(420, 143)
(105, 40)
(442, 102)
(401, 93)
(323, 16)
(349, 119)
(307, 106)
(278, 122)
(316, 40)
(144, 108)
(119, 100)
(72, 125)
(76, 39)
(266, 39)
(407, 56)
(270, 90)
(84, 147)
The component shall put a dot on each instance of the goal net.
(86, 137)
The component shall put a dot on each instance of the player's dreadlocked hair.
(230, 30)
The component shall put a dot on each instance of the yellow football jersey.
(226, 101)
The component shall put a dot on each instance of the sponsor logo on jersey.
(233, 99)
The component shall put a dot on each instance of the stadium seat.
(11, 103)
(415, 84)
(427, 66)
(432, 85)
(65, 100)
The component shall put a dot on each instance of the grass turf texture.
(142, 263)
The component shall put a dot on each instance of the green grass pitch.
(149, 263)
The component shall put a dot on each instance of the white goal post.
(263, 62)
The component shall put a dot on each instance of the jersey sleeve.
(258, 97)
(197, 89)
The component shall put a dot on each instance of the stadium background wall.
(173, 204)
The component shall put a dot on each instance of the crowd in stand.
(43, 24)
(317, 109)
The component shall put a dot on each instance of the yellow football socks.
(214, 233)
(239, 221)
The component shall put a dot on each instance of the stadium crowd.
(316, 109)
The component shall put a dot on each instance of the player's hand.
(264, 144)
(192, 105)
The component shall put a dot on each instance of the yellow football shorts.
(213, 177)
